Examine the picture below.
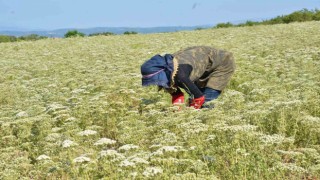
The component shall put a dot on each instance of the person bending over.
(202, 71)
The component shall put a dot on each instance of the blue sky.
(54, 14)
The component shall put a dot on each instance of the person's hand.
(197, 102)
(177, 99)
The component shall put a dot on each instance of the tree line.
(31, 37)
(69, 34)
(75, 33)
(297, 16)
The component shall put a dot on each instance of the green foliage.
(199, 29)
(130, 32)
(276, 20)
(316, 15)
(249, 23)
(32, 37)
(74, 33)
(102, 34)
(297, 16)
(224, 25)
(4, 38)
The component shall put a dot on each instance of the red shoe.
(197, 102)
(177, 99)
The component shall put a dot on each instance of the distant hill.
(115, 30)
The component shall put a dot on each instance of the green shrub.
(4, 38)
(277, 20)
(199, 29)
(74, 33)
(130, 32)
(224, 25)
(297, 16)
(251, 23)
(102, 34)
(316, 15)
(32, 37)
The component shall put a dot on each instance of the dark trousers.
(210, 94)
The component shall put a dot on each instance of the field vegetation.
(74, 108)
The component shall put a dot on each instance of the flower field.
(74, 109)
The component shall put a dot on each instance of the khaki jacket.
(211, 67)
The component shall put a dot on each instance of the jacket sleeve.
(182, 80)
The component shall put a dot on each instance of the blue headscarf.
(157, 71)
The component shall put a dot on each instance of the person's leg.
(210, 94)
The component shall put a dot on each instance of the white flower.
(95, 127)
(170, 148)
(276, 139)
(193, 127)
(77, 91)
(166, 137)
(55, 107)
(81, 159)
(22, 114)
(128, 147)
(289, 167)
(312, 121)
(235, 128)
(53, 137)
(242, 152)
(87, 133)
(112, 154)
(139, 160)
(56, 129)
(155, 146)
(165, 149)
(211, 137)
(152, 171)
(68, 143)
(310, 152)
(103, 141)
(133, 174)
(70, 119)
(43, 157)
(127, 163)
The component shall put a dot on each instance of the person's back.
(202, 71)
(207, 63)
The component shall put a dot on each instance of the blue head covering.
(157, 71)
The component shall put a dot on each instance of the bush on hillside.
(102, 34)
(249, 23)
(5, 38)
(31, 37)
(297, 16)
(74, 33)
(199, 29)
(130, 32)
(224, 25)
(316, 16)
